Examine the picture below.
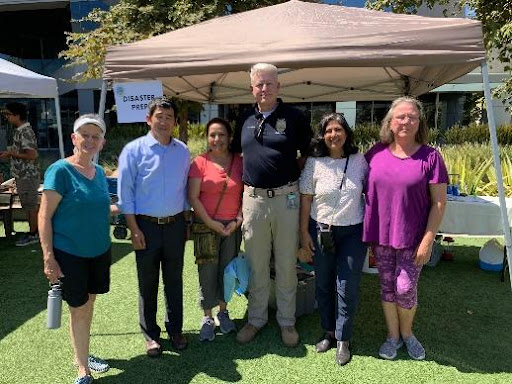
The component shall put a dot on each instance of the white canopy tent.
(324, 52)
(19, 82)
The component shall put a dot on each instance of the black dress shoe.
(343, 355)
(328, 341)
(179, 341)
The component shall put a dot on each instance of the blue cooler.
(491, 256)
(119, 221)
(112, 185)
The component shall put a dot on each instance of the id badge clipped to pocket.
(292, 201)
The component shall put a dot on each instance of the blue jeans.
(337, 278)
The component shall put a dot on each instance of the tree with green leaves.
(496, 18)
(133, 20)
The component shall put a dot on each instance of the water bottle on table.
(454, 184)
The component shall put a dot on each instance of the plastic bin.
(306, 302)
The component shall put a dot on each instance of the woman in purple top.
(405, 202)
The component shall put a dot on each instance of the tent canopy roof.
(19, 82)
(324, 53)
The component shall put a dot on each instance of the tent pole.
(437, 110)
(101, 109)
(59, 126)
(497, 165)
(103, 98)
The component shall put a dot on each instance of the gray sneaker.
(87, 379)
(414, 348)
(96, 364)
(27, 240)
(207, 332)
(389, 348)
(226, 324)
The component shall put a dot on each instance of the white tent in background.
(19, 82)
(324, 53)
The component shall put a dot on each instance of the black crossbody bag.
(324, 231)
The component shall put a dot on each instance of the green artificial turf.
(463, 321)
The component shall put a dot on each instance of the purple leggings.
(398, 275)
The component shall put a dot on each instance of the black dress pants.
(165, 246)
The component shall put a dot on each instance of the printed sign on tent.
(132, 99)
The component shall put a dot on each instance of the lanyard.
(344, 173)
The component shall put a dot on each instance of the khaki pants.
(269, 224)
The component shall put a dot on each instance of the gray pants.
(211, 275)
(27, 191)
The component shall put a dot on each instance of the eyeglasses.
(402, 118)
(260, 127)
(262, 84)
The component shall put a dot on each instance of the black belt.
(273, 192)
(161, 220)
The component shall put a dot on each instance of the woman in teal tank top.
(74, 221)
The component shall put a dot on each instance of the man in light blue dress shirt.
(152, 186)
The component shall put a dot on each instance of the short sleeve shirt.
(213, 179)
(81, 222)
(334, 204)
(398, 197)
(24, 138)
(270, 161)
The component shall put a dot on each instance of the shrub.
(477, 133)
(474, 164)
(367, 134)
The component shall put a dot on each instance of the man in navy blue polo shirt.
(269, 137)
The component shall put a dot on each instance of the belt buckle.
(161, 220)
(271, 193)
(251, 191)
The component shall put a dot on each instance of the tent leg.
(437, 111)
(101, 110)
(59, 126)
(497, 164)
(103, 98)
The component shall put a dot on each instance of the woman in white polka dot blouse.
(332, 203)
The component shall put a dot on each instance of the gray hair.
(270, 69)
(386, 135)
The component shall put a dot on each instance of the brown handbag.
(206, 241)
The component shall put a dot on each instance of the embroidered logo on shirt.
(281, 125)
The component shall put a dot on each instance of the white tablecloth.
(474, 216)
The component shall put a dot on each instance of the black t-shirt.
(270, 160)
